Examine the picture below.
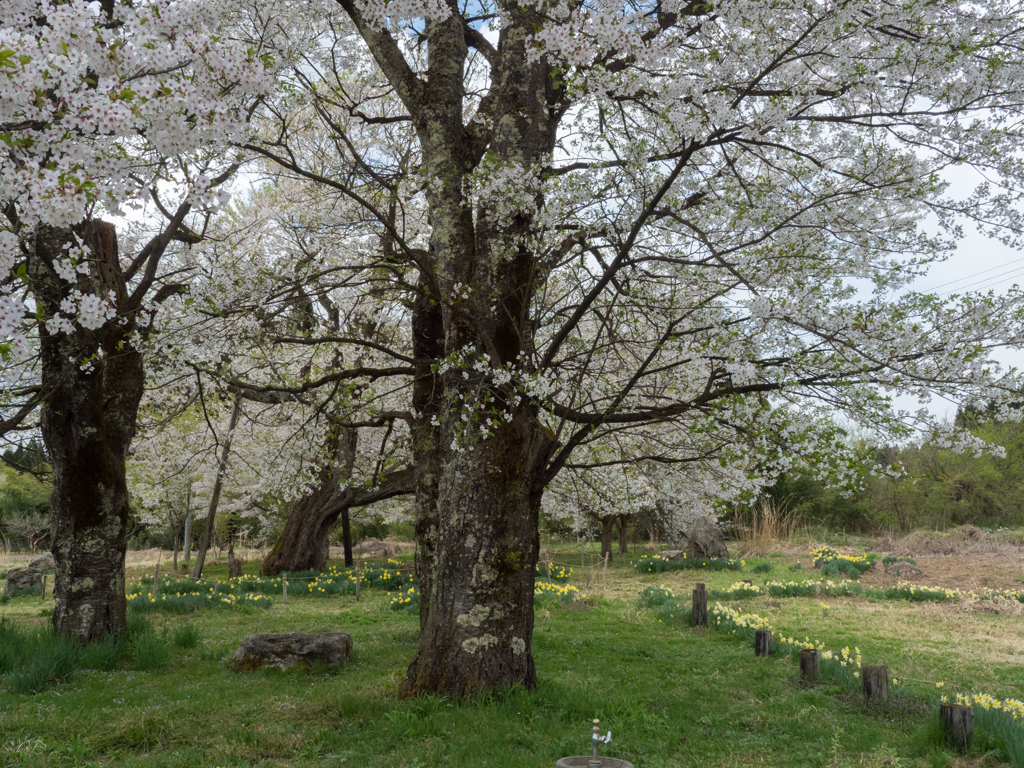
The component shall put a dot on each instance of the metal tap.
(597, 738)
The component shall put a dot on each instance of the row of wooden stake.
(957, 719)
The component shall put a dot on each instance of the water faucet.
(597, 738)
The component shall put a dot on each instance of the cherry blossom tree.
(649, 213)
(103, 106)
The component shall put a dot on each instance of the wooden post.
(216, 588)
(606, 556)
(748, 581)
(809, 664)
(284, 589)
(958, 724)
(763, 642)
(874, 681)
(549, 570)
(156, 579)
(357, 581)
(700, 606)
(44, 586)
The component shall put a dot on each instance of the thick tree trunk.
(478, 479)
(428, 346)
(607, 527)
(303, 544)
(477, 632)
(623, 543)
(93, 381)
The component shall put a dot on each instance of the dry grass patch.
(766, 527)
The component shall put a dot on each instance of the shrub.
(763, 568)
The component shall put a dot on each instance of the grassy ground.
(670, 695)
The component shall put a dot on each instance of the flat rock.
(293, 649)
(20, 580)
(44, 562)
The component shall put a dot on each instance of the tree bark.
(477, 632)
(478, 480)
(211, 515)
(303, 544)
(346, 537)
(94, 383)
(607, 528)
(187, 546)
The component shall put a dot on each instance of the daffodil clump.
(1012, 707)
(409, 599)
(831, 562)
(560, 573)
(659, 564)
(405, 600)
(743, 625)
(565, 593)
(185, 602)
(826, 587)
(1003, 719)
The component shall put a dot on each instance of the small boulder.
(905, 571)
(672, 554)
(293, 649)
(44, 562)
(22, 580)
(704, 539)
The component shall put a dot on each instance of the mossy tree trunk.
(93, 380)
(480, 452)
(304, 543)
(477, 631)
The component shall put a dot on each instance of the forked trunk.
(93, 381)
(304, 544)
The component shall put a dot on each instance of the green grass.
(672, 696)
(659, 564)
